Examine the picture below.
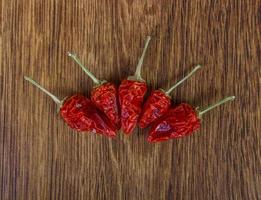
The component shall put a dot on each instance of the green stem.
(56, 100)
(182, 80)
(137, 74)
(77, 60)
(203, 111)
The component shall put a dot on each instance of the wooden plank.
(41, 158)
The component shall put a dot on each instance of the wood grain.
(41, 158)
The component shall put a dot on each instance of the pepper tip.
(150, 139)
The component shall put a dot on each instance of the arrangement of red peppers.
(110, 108)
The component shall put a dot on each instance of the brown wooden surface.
(41, 158)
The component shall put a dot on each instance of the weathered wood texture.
(41, 158)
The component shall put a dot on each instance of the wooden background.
(41, 158)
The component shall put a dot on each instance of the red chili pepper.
(80, 113)
(180, 121)
(104, 95)
(131, 94)
(159, 102)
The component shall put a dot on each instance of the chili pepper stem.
(203, 111)
(77, 60)
(182, 80)
(55, 99)
(137, 75)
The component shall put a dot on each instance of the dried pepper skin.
(81, 115)
(131, 94)
(159, 102)
(105, 97)
(180, 121)
(155, 107)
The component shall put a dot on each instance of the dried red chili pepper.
(180, 121)
(131, 94)
(80, 113)
(104, 95)
(159, 102)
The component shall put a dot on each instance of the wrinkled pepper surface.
(180, 121)
(131, 95)
(104, 95)
(158, 103)
(80, 113)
